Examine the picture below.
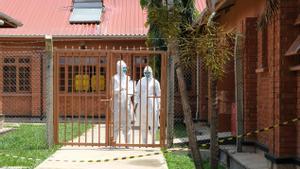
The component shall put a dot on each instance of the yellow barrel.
(101, 82)
(82, 82)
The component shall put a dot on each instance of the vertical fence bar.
(72, 97)
(140, 100)
(163, 110)
(133, 94)
(65, 96)
(147, 104)
(126, 106)
(120, 102)
(109, 114)
(154, 100)
(98, 68)
(92, 92)
(80, 75)
(86, 73)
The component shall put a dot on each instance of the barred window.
(16, 75)
(10, 79)
(24, 80)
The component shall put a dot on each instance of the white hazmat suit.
(147, 101)
(122, 108)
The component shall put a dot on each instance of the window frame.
(18, 65)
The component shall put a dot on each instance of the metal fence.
(23, 94)
(22, 84)
(107, 93)
(197, 81)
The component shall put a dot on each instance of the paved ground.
(204, 135)
(5, 130)
(69, 157)
(68, 153)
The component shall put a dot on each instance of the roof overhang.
(8, 22)
(223, 4)
(94, 37)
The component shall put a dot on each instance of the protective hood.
(148, 72)
(121, 67)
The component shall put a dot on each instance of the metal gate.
(94, 106)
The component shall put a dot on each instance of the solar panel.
(86, 1)
(86, 11)
(88, 5)
(83, 15)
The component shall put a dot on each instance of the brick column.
(250, 77)
(298, 115)
(286, 140)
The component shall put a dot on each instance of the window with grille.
(16, 75)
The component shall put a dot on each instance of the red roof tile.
(41, 17)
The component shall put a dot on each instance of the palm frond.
(270, 11)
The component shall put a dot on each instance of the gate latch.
(106, 100)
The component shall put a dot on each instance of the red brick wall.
(248, 28)
(269, 88)
(36, 93)
(276, 85)
(225, 96)
(298, 115)
(30, 104)
(250, 79)
(203, 94)
(289, 11)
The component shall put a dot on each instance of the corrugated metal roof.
(51, 17)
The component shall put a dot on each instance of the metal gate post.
(238, 69)
(49, 90)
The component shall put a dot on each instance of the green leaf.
(144, 3)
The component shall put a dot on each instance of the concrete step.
(245, 160)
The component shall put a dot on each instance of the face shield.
(148, 72)
(121, 67)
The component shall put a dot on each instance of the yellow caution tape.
(165, 151)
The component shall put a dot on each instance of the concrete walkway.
(62, 159)
(75, 157)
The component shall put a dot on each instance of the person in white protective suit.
(147, 101)
(122, 106)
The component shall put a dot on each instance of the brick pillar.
(36, 84)
(298, 115)
(250, 78)
(286, 140)
(265, 84)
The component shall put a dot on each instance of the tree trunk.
(189, 120)
(214, 146)
(170, 119)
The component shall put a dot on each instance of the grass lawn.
(179, 130)
(30, 141)
(182, 161)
